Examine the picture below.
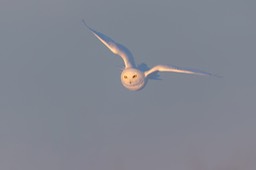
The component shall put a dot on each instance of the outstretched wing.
(116, 48)
(165, 68)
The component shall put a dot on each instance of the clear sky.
(62, 105)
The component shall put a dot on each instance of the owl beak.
(130, 82)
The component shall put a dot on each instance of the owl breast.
(133, 79)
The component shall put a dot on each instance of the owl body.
(133, 79)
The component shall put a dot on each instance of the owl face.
(133, 79)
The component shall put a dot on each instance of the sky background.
(62, 105)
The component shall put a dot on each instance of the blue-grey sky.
(62, 105)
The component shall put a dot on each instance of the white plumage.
(131, 77)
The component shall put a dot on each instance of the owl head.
(133, 79)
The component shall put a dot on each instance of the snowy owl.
(132, 77)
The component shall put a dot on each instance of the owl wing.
(164, 68)
(114, 47)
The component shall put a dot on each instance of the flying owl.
(132, 77)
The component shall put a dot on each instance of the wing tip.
(209, 74)
(83, 20)
(87, 26)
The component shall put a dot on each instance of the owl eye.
(134, 76)
(125, 77)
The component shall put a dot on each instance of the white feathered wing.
(164, 68)
(114, 47)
